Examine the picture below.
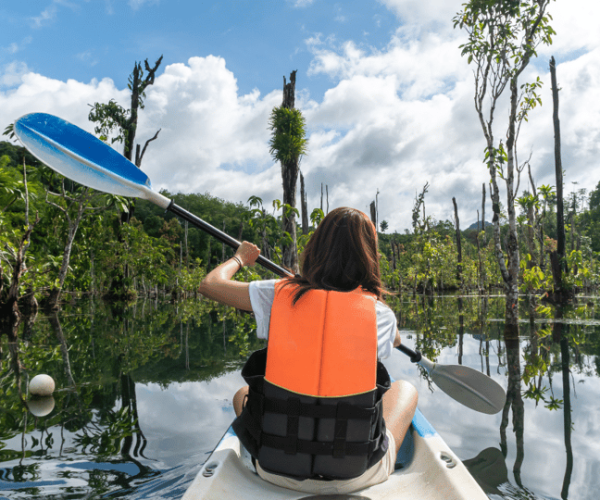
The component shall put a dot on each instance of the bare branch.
(55, 205)
(26, 193)
(139, 157)
(10, 250)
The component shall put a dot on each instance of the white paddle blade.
(470, 387)
(79, 155)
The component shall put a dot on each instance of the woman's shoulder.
(263, 284)
(262, 293)
(381, 304)
(383, 309)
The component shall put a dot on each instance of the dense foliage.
(167, 257)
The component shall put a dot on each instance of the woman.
(312, 415)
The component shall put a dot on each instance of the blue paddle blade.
(79, 155)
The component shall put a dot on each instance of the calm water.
(144, 394)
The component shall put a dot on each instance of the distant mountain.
(474, 225)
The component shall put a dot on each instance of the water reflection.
(514, 401)
(144, 393)
(89, 439)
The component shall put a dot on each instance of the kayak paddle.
(84, 158)
(466, 385)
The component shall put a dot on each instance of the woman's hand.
(247, 253)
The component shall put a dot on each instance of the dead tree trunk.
(558, 257)
(483, 211)
(187, 250)
(265, 248)
(321, 196)
(459, 277)
(303, 202)
(373, 213)
(289, 173)
(481, 280)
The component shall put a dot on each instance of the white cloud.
(87, 57)
(12, 74)
(109, 7)
(48, 15)
(13, 48)
(579, 107)
(137, 4)
(302, 3)
(392, 120)
(212, 139)
(45, 17)
(404, 115)
(434, 14)
(576, 26)
(423, 66)
(69, 100)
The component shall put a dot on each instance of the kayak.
(426, 469)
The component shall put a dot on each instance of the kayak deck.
(426, 468)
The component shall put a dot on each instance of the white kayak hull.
(426, 470)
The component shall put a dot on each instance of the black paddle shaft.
(415, 357)
(224, 238)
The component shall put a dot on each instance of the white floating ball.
(41, 385)
(40, 407)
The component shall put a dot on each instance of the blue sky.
(261, 40)
(387, 97)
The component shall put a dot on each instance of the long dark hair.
(340, 255)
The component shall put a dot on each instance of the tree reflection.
(560, 335)
(514, 401)
(101, 357)
(549, 344)
(95, 433)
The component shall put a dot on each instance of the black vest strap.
(293, 425)
(290, 443)
(341, 410)
(318, 447)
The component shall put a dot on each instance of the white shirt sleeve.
(386, 330)
(262, 294)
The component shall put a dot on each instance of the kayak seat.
(406, 452)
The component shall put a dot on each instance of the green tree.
(503, 37)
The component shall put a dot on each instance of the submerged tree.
(502, 39)
(113, 118)
(14, 267)
(74, 207)
(288, 144)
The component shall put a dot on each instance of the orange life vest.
(325, 345)
(314, 405)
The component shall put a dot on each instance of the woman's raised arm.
(219, 286)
